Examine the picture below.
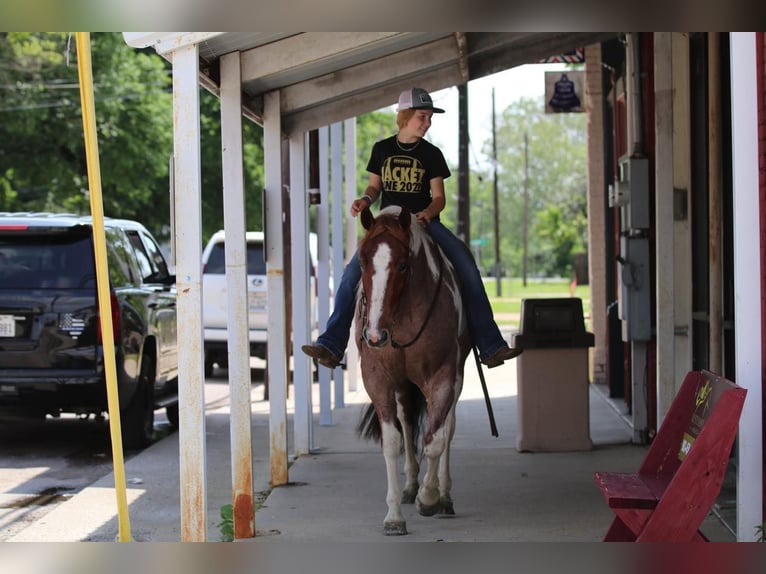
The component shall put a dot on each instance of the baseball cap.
(417, 99)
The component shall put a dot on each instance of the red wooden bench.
(683, 470)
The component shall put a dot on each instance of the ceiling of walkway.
(325, 77)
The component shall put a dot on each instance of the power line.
(70, 103)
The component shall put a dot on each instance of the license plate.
(256, 301)
(7, 326)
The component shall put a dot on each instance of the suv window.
(48, 261)
(256, 265)
(155, 253)
(121, 274)
(151, 262)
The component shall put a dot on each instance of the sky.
(510, 85)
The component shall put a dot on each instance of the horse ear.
(405, 218)
(367, 218)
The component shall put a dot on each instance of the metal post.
(323, 272)
(496, 200)
(463, 182)
(276, 363)
(525, 214)
(302, 420)
(236, 283)
(191, 388)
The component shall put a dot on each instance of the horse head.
(384, 256)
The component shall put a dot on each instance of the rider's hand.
(423, 217)
(358, 205)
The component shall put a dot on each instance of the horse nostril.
(375, 340)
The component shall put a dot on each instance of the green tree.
(212, 164)
(556, 149)
(42, 152)
(370, 128)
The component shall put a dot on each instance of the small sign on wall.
(564, 91)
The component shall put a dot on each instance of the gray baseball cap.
(417, 99)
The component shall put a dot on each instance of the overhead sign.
(576, 56)
(564, 91)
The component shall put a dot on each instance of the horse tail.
(368, 427)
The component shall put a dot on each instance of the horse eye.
(403, 267)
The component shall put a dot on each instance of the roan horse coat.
(413, 340)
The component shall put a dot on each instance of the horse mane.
(387, 221)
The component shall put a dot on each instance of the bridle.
(431, 307)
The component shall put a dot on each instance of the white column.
(236, 287)
(338, 209)
(663, 213)
(323, 273)
(682, 235)
(275, 269)
(352, 353)
(188, 226)
(748, 282)
(299, 224)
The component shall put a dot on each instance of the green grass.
(507, 306)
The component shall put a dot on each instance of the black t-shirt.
(406, 175)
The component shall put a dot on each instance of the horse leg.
(411, 466)
(428, 500)
(394, 523)
(445, 479)
(434, 494)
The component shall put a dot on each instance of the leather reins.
(431, 308)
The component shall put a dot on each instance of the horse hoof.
(447, 508)
(409, 497)
(398, 528)
(427, 509)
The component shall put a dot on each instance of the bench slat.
(625, 490)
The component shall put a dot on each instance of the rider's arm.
(370, 195)
(438, 202)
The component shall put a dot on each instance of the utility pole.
(525, 218)
(495, 200)
(463, 186)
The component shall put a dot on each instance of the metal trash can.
(553, 376)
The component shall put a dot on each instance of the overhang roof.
(326, 77)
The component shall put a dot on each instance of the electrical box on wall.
(632, 193)
(634, 306)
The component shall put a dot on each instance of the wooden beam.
(364, 102)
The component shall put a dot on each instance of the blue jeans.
(484, 331)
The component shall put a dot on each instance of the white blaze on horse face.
(380, 263)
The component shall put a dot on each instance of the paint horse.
(413, 340)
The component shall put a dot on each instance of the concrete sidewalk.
(499, 493)
(338, 492)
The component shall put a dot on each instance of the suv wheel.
(171, 411)
(138, 417)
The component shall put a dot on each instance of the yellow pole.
(85, 70)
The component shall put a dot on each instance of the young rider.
(407, 170)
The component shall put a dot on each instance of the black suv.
(51, 352)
